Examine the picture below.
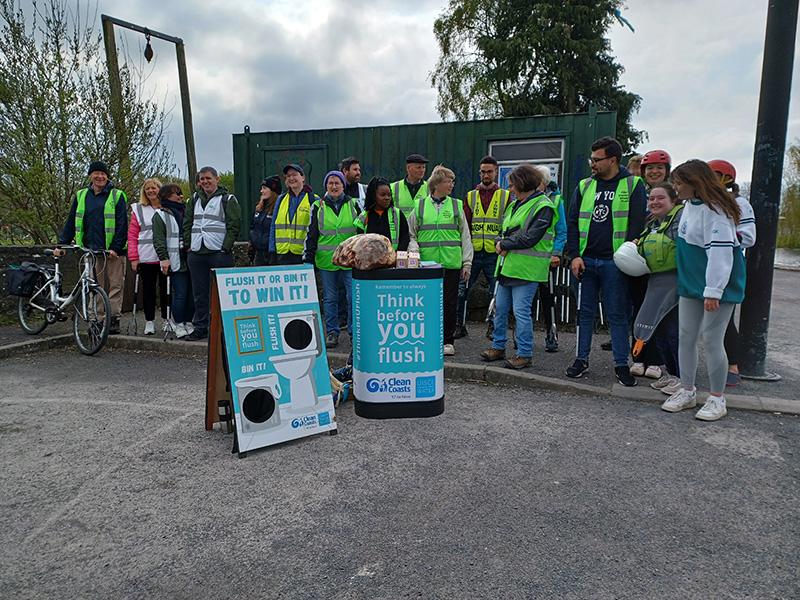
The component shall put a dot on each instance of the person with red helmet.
(655, 167)
(746, 233)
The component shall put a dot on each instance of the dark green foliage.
(515, 58)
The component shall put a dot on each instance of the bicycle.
(91, 319)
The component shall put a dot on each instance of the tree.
(515, 58)
(55, 117)
(789, 227)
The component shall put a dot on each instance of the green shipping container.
(560, 141)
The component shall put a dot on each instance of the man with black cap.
(210, 227)
(409, 191)
(98, 220)
(262, 222)
(291, 218)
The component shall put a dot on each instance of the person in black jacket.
(262, 222)
(381, 216)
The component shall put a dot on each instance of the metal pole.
(117, 112)
(765, 194)
(186, 108)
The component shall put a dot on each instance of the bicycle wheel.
(92, 320)
(31, 319)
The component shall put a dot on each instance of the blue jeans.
(482, 262)
(604, 274)
(332, 282)
(182, 301)
(519, 298)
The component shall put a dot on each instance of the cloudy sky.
(303, 64)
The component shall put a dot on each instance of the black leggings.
(150, 273)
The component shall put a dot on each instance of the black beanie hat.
(273, 183)
(98, 166)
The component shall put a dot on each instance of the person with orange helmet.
(746, 232)
(655, 167)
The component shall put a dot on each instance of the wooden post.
(186, 107)
(117, 112)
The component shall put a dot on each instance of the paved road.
(110, 488)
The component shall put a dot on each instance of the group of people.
(687, 225)
(170, 245)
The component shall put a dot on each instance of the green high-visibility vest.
(333, 230)
(290, 235)
(530, 264)
(658, 249)
(109, 215)
(439, 233)
(394, 219)
(402, 197)
(486, 224)
(620, 207)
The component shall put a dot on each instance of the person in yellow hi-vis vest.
(606, 210)
(98, 220)
(485, 206)
(439, 230)
(525, 246)
(333, 221)
(408, 192)
(291, 218)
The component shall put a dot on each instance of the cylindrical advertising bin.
(398, 365)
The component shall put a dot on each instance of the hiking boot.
(493, 354)
(680, 400)
(332, 340)
(624, 376)
(578, 368)
(713, 409)
(551, 344)
(606, 346)
(518, 362)
(461, 331)
(197, 335)
(114, 327)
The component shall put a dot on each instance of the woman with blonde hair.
(438, 228)
(142, 254)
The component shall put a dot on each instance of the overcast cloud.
(280, 64)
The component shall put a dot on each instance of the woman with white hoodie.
(711, 279)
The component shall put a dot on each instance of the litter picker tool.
(133, 320)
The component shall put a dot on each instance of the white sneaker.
(673, 386)
(680, 400)
(662, 381)
(180, 330)
(637, 369)
(713, 409)
(449, 350)
(150, 328)
(653, 372)
(189, 327)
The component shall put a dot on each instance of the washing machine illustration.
(258, 402)
(301, 346)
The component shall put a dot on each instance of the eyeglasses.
(593, 160)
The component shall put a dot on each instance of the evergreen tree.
(511, 58)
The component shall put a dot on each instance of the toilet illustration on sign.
(300, 344)
(258, 402)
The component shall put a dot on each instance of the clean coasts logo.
(392, 385)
